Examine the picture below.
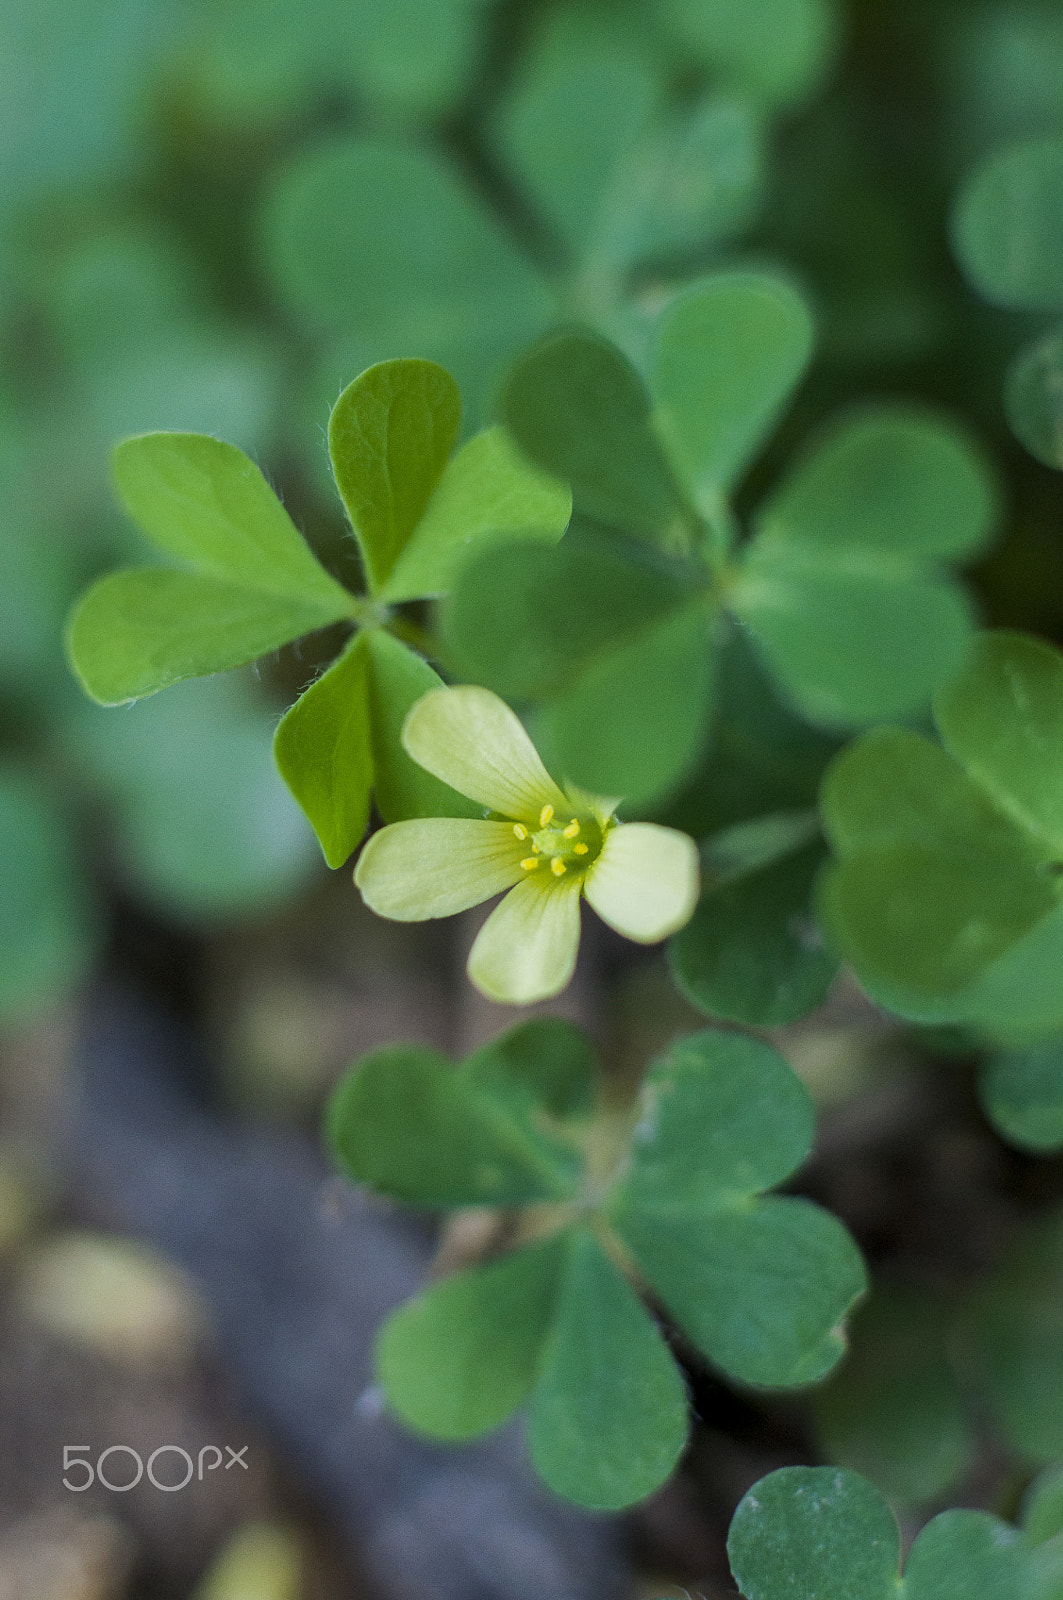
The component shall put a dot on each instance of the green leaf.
(901, 479)
(526, 618)
(144, 628)
(851, 639)
(761, 1288)
(722, 1117)
(1007, 226)
(384, 244)
(693, 181)
(777, 50)
(204, 502)
(840, 584)
(753, 952)
(390, 435)
(933, 881)
(1033, 398)
(409, 1124)
(894, 1409)
(487, 489)
(1003, 719)
(608, 1413)
(577, 407)
(730, 351)
(637, 717)
(967, 1555)
(49, 928)
(1016, 1001)
(461, 1357)
(814, 1533)
(397, 678)
(1022, 1095)
(1014, 1343)
(583, 95)
(323, 751)
(545, 1066)
(809, 1533)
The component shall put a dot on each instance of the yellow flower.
(549, 845)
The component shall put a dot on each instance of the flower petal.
(645, 882)
(471, 739)
(526, 950)
(435, 866)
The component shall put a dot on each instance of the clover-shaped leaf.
(557, 1323)
(620, 180)
(945, 891)
(414, 510)
(843, 588)
(821, 1533)
(628, 684)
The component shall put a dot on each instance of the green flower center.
(560, 846)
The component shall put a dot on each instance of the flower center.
(560, 846)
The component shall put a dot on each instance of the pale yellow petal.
(471, 739)
(435, 866)
(645, 883)
(526, 950)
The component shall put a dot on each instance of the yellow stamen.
(571, 831)
(580, 849)
(520, 830)
(530, 863)
(557, 867)
(545, 815)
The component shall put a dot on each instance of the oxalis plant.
(624, 648)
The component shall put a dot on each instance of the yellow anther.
(520, 830)
(557, 867)
(545, 815)
(571, 831)
(580, 849)
(530, 863)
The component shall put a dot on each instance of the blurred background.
(214, 214)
